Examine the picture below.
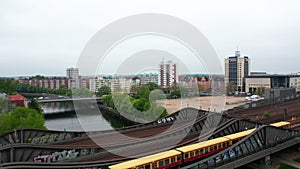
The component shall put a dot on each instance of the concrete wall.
(279, 93)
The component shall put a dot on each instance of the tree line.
(140, 104)
(11, 86)
(13, 118)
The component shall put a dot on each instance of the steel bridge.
(263, 142)
(28, 148)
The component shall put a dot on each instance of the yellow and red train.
(186, 154)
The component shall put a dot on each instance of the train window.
(215, 147)
(197, 152)
(147, 166)
(186, 155)
(154, 165)
(192, 154)
(141, 167)
(235, 141)
(172, 160)
(206, 149)
(167, 161)
(211, 148)
(161, 163)
(178, 157)
(201, 151)
(225, 144)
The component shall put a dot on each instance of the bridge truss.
(28, 147)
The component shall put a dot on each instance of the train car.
(283, 124)
(203, 149)
(209, 147)
(238, 136)
(162, 160)
(186, 154)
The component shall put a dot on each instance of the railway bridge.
(30, 148)
(262, 143)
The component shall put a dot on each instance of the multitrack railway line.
(153, 138)
(145, 147)
(276, 112)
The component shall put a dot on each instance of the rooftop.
(16, 97)
(272, 75)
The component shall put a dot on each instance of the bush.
(21, 118)
(34, 104)
(266, 114)
(141, 107)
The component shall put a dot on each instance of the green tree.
(5, 123)
(62, 89)
(27, 118)
(167, 90)
(21, 118)
(230, 88)
(122, 101)
(152, 86)
(156, 111)
(34, 104)
(38, 77)
(103, 90)
(266, 114)
(140, 104)
(8, 86)
(141, 107)
(82, 92)
(108, 101)
(5, 105)
(164, 113)
(144, 92)
(156, 95)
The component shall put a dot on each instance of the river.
(62, 116)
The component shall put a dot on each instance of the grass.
(297, 160)
(266, 114)
(285, 166)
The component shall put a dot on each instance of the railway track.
(156, 138)
(276, 113)
(152, 146)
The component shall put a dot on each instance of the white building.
(272, 81)
(167, 73)
(73, 75)
(236, 69)
(295, 82)
(116, 84)
(148, 77)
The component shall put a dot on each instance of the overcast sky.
(46, 37)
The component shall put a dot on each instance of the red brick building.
(18, 100)
(48, 83)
